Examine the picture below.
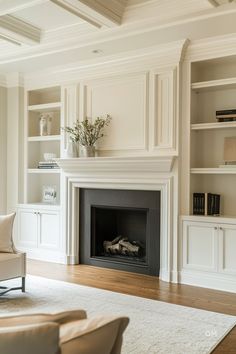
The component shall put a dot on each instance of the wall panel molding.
(163, 114)
(128, 106)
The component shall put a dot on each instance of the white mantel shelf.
(117, 164)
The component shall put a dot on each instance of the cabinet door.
(227, 248)
(27, 228)
(49, 230)
(200, 246)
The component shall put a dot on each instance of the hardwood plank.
(144, 286)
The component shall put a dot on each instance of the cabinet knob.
(215, 227)
(221, 228)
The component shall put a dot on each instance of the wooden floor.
(147, 287)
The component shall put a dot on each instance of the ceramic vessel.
(87, 151)
(71, 150)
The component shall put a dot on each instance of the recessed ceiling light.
(97, 51)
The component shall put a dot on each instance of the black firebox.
(120, 229)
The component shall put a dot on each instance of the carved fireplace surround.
(126, 173)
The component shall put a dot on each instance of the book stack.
(47, 164)
(206, 204)
(226, 115)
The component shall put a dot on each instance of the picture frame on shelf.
(49, 194)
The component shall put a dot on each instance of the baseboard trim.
(175, 277)
(164, 275)
(47, 256)
(71, 260)
(206, 280)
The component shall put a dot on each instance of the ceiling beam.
(97, 12)
(10, 40)
(213, 3)
(10, 6)
(113, 10)
(216, 3)
(15, 30)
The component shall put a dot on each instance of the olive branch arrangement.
(86, 132)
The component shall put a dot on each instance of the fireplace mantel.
(117, 164)
(153, 173)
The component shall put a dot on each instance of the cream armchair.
(65, 333)
(12, 262)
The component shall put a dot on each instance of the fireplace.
(120, 229)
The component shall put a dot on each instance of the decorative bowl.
(49, 156)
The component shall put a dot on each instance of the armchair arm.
(30, 319)
(103, 334)
(38, 338)
(15, 250)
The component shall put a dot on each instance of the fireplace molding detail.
(119, 173)
(117, 164)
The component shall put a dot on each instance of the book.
(198, 203)
(226, 112)
(227, 116)
(47, 164)
(45, 167)
(206, 204)
(228, 165)
(222, 120)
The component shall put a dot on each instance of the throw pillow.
(6, 225)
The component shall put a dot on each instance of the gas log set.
(123, 247)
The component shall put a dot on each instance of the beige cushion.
(100, 335)
(31, 339)
(60, 318)
(12, 265)
(6, 225)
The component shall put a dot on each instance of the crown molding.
(18, 30)
(156, 57)
(84, 35)
(14, 80)
(209, 48)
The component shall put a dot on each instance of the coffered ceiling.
(33, 33)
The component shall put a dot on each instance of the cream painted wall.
(3, 151)
(15, 146)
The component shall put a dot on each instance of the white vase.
(42, 125)
(49, 124)
(71, 150)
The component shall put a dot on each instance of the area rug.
(155, 327)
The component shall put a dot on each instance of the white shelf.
(217, 170)
(40, 205)
(43, 170)
(231, 219)
(45, 138)
(214, 84)
(216, 125)
(117, 164)
(45, 107)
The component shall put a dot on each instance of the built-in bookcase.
(213, 87)
(47, 100)
(39, 221)
(208, 242)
